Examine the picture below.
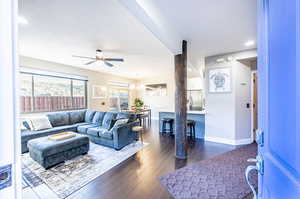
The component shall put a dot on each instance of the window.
(79, 94)
(41, 93)
(118, 99)
(26, 93)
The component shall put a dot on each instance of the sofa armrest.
(123, 134)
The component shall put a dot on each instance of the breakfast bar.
(197, 116)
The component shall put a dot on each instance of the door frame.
(252, 102)
(9, 67)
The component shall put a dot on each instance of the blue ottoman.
(49, 152)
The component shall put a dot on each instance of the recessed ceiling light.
(22, 20)
(249, 43)
(189, 69)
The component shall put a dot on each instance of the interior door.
(279, 99)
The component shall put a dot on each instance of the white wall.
(94, 78)
(9, 134)
(228, 120)
(159, 103)
(165, 103)
(195, 83)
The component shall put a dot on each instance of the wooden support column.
(181, 102)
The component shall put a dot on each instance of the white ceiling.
(210, 26)
(59, 28)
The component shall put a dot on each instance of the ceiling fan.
(100, 57)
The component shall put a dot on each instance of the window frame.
(55, 76)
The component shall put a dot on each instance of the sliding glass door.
(118, 99)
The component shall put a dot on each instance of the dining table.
(141, 113)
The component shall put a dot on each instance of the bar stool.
(166, 121)
(191, 126)
(142, 119)
(139, 131)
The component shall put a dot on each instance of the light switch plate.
(5, 176)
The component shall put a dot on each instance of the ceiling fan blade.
(108, 64)
(78, 56)
(90, 62)
(114, 59)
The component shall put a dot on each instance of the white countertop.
(188, 112)
(197, 112)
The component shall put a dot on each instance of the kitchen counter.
(197, 116)
(188, 112)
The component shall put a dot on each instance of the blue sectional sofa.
(97, 125)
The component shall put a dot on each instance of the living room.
(98, 102)
(149, 99)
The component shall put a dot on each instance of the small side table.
(139, 130)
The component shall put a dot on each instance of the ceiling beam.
(149, 17)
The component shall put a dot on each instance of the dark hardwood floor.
(137, 177)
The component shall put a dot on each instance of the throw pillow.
(120, 122)
(23, 127)
(41, 123)
(28, 124)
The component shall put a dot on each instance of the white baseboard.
(229, 141)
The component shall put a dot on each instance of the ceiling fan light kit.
(100, 57)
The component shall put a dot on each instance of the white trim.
(252, 89)
(17, 130)
(10, 136)
(29, 69)
(154, 118)
(229, 141)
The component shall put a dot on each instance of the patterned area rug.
(221, 177)
(65, 178)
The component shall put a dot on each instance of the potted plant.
(138, 103)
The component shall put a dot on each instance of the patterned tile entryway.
(221, 177)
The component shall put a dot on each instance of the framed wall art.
(219, 80)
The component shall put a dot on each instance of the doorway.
(251, 62)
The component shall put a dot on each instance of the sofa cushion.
(63, 128)
(59, 119)
(83, 128)
(100, 132)
(28, 135)
(108, 120)
(131, 117)
(89, 115)
(81, 124)
(103, 133)
(93, 131)
(76, 117)
(98, 117)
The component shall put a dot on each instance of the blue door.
(279, 99)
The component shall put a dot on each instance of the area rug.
(221, 177)
(66, 178)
